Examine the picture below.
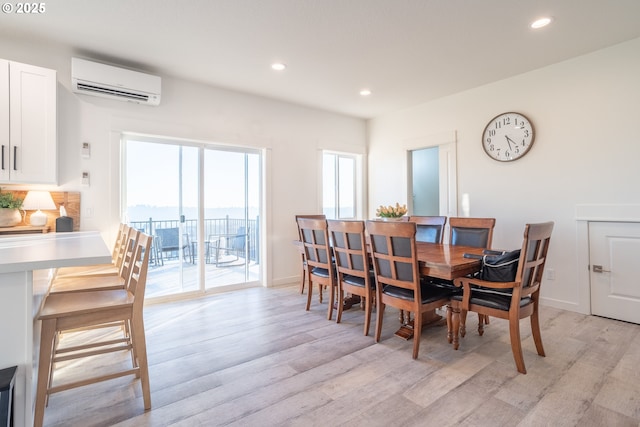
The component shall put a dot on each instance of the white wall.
(292, 136)
(587, 150)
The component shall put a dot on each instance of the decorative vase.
(10, 217)
(392, 219)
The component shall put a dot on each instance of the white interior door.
(613, 258)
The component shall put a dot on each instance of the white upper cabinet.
(28, 124)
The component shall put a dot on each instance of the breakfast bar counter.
(26, 264)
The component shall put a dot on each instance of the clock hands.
(509, 141)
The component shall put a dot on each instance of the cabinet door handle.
(2, 156)
(15, 156)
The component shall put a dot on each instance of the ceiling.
(406, 52)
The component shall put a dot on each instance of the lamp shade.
(37, 200)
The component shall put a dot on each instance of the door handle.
(15, 155)
(599, 269)
(2, 156)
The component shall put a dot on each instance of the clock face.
(508, 137)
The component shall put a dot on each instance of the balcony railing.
(212, 227)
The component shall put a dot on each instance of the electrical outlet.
(550, 274)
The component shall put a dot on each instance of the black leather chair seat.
(429, 293)
(492, 299)
(359, 281)
(322, 272)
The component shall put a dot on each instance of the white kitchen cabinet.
(28, 124)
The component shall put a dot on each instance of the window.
(339, 185)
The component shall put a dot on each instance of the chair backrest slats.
(393, 248)
(315, 240)
(128, 253)
(136, 283)
(123, 229)
(533, 254)
(350, 247)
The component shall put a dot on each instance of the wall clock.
(508, 137)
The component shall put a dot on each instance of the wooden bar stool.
(75, 311)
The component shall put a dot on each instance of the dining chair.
(475, 232)
(92, 282)
(73, 312)
(318, 254)
(355, 274)
(398, 282)
(304, 261)
(111, 269)
(430, 229)
(508, 300)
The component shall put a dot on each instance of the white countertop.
(40, 251)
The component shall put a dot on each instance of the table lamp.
(37, 200)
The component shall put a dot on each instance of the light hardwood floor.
(256, 358)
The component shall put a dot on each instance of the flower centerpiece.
(10, 210)
(391, 212)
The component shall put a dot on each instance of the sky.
(158, 183)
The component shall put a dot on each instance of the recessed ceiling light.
(365, 92)
(541, 22)
(278, 66)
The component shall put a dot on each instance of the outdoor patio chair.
(168, 240)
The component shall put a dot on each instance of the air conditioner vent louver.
(91, 88)
(92, 78)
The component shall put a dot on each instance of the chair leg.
(140, 345)
(379, 316)
(516, 345)
(481, 323)
(449, 324)
(47, 338)
(456, 326)
(535, 331)
(340, 305)
(367, 315)
(309, 293)
(332, 294)
(463, 323)
(417, 332)
(304, 275)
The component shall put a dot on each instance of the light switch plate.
(86, 150)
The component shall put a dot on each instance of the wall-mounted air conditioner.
(92, 78)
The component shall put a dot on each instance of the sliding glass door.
(201, 204)
(232, 207)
